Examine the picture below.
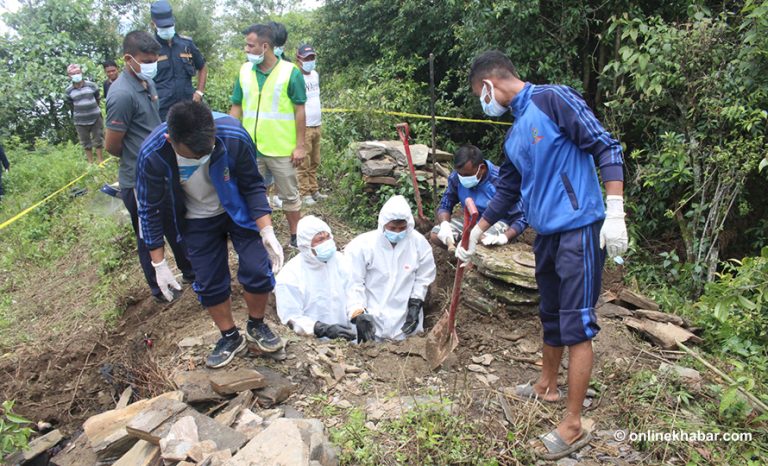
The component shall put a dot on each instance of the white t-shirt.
(200, 195)
(312, 107)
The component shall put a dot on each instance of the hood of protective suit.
(396, 208)
(307, 228)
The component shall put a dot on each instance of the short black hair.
(264, 32)
(107, 63)
(467, 153)
(280, 33)
(191, 123)
(140, 42)
(491, 63)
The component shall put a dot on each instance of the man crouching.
(207, 164)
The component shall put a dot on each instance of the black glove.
(365, 328)
(333, 331)
(412, 317)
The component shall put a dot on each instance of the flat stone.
(238, 380)
(196, 386)
(528, 346)
(485, 359)
(513, 263)
(190, 342)
(477, 368)
(286, 442)
(692, 375)
(612, 310)
(378, 168)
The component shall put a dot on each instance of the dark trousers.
(179, 251)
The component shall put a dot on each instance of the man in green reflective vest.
(269, 98)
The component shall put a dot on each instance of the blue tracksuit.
(550, 164)
(482, 194)
(233, 171)
(550, 161)
(240, 188)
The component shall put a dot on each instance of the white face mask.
(278, 51)
(76, 78)
(492, 108)
(166, 33)
(147, 70)
(255, 59)
(308, 66)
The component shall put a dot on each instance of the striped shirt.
(85, 101)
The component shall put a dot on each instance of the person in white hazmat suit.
(311, 287)
(392, 267)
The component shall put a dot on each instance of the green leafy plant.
(14, 430)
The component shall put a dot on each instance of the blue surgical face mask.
(188, 166)
(325, 250)
(255, 59)
(278, 51)
(470, 182)
(76, 78)
(493, 107)
(394, 237)
(308, 66)
(166, 33)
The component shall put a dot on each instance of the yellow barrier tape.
(49, 197)
(325, 110)
(415, 115)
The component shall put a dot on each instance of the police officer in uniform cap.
(179, 60)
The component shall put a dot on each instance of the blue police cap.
(162, 14)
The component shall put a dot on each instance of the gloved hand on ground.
(333, 331)
(497, 239)
(165, 280)
(412, 317)
(365, 327)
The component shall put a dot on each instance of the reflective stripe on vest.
(268, 114)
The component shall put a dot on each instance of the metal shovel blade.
(441, 341)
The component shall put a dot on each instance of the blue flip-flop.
(557, 448)
(526, 391)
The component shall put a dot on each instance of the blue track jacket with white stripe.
(232, 169)
(550, 156)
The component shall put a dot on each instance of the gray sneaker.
(308, 201)
(261, 335)
(225, 352)
(318, 196)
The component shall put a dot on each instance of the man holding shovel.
(550, 154)
(476, 178)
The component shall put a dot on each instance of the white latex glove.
(613, 235)
(273, 247)
(165, 279)
(445, 234)
(495, 240)
(474, 236)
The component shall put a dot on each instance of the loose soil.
(69, 378)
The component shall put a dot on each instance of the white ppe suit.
(309, 290)
(384, 276)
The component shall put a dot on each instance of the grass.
(70, 254)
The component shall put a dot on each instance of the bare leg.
(89, 154)
(257, 304)
(293, 220)
(579, 371)
(546, 386)
(222, 315)
(99, 154)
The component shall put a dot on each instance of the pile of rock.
(503, 279)
(382, 163)
(236, 431)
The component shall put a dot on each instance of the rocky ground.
(67, 381)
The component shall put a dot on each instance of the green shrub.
(14, 430)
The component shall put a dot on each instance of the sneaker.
(225, 352)
(294, 243)
(276, 203)
(263, 337)
(308, 200)
(319, 196)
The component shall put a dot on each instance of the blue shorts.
(569, 272)
(206, 240)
